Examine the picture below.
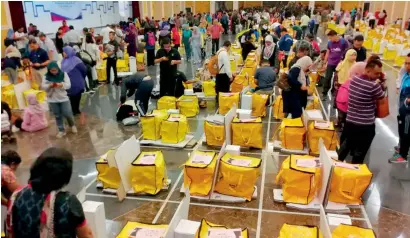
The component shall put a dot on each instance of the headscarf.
(12, 51)
(132, 29)
(58, 78)
(357, 69)
(303, 63)
(33, 105)
(70, 61)
(195, 31)
(268, 51)
(164, 31)
(343, 67)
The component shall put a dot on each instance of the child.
(10, 160)
(319, 66)
(6, 121)
(34, 117)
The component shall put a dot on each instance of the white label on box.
(174, 118)
(308, 163)
(147, 160)
(104, 157)
(147, 232)
(201, 159)
(240, 162)
(224, 233)
(346, 165)
(337, 219)
(322, 124)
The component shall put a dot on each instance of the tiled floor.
(387, 200)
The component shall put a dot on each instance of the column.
(183, 6)
(337, 6)
(212, 7)
(141, 6)
(406, 8)
(391, 14)
(235, 5)
(150, 12)
(312, 6)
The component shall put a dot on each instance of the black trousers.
(166, 84)
(316, 29)
(176, 46)
(327, 82)
(112, 63)
(372, 23)
(150, 57)
(222, 84)
(404, 138)
(142, 96)
(285, 60)
(215, 45)
(91, 84)
(75, 103)
(304, 31)
(358, 139)
(225, 26)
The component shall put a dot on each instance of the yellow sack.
(250, 70)
(188, 105)
(148, 173)
(214, 133)
(343, 231)
(299, 184)
(199, 172)
(376, 47)
(238, 175)
(259, 104)
(252, 83)
(399, 60)
(9, 97)
(250, 62)
(247, 133)
(292, 134)
(140, 58)
(349, 182)
(233, 65)
(151, 124)
(239, 82)
(108, 176)
(167, 102)
(327, 133)
(313, 104)
(187, 85)
(174, 129)
(101, 74)
(226, 102)
(209, 88)
(122, 66)
(289, 231)
(40, 95)
(278, 108)
(205, 227)
(389, 54)
(131, 229)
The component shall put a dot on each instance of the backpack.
(86, 58)
(151, 38)
(124, 111)
(283, 82)
(213, 64)
(342, 96)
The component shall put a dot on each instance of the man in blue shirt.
(285, 44)
(38, 60)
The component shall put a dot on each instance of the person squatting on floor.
(141, 85)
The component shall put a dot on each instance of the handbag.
(382, 107)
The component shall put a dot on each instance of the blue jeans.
(62, 110)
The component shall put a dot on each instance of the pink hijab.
(33, 106)
(357, 69)
(342, 97)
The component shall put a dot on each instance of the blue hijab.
(70, 61)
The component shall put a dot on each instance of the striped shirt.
(362, 95)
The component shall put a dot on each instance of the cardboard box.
(186, 229)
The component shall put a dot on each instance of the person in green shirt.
(297, 31)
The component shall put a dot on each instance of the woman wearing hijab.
(343, 67)
(269, 51)
(186, 40)
(131, 39)
(34, 117)
(59, 40)
(56, 83)
(296, 97)
(196, 45)
(12, 63)
(382, 18)
(76, 70)
(164, 33)
(342, 95)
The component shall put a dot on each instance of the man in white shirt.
(119, 36)
(224, 76)
(372, 19)
(105, 33)
(72, 37)
(304, 22)
(21, 40)
(48, 45)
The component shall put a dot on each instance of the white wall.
(94, 14)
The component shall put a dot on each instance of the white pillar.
(163, 11)
(194, 8)
(141, 6)
(382, 7)
(406, 8)
(183, 6)
(338, 4)
(150, 12)
(212, 6)
(391, 15)
(172, 9)
(235, 5)
(312, 6)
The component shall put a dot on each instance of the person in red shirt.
(10, 161)
(65, 27)
(315, 46)
(215, 31)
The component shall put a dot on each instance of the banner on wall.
(64, 10)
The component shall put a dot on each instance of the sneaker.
(397, 149)
(74, 130)
(14, 129)
(397, 159)
(60, 134)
